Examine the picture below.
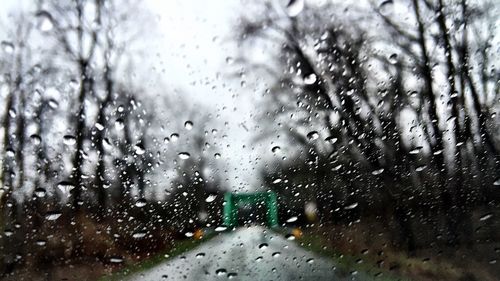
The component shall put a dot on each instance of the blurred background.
(123, 123)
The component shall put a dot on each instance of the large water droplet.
(40, 192)
(53, 104)
(141, 203)
(139, 149)
(44, 21)
(116, 260)
(220, 228)
(52, 216)
(119, 125)
(139, 235)
(393, 58)
(294, 7)
(36, 139)
(65, 187)
(386, 7)
(210, 198)
(221, 271)
(377, 172)
(188, 125)
(184, 155)
(310, 79)
(276, 149)
(486, 217)
(497, 182)
(69, 140)
(7, 47)
(351, 206)
(312, 135)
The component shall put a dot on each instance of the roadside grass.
(179, 247)
(346, 264)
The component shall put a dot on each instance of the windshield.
(249, 140)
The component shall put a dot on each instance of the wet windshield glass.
(249, 140)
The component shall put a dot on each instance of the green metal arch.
(232, 200)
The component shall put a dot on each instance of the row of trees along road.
(83, 140)
(392, 107)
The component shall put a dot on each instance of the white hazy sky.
(189, 50)
(196, 42)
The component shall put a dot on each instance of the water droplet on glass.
(497, 182)
(258, 259)
(331, 139)
(377, 172)
(277, 180)
(263, 246)
(139, 149)
(276, 254)
(221, 271)
(174, 137)
(351, 206)
(420, 168)
(53, 104)
(189, 234)
(232, 275)
(210, 198)
(40, 192)
(141, 203)
(290, 237)
(44, 21)
(486, 217)
(386, 7)
(184, 155)
(99, 126)
(294, 7)
(393, 58)
(36, 139)
(217, 156)
(119, 125)
(52, 216)
(220, 228)
(200, 255)
(7, 47)
(292, 219)
(69, 140)
(116, 259)
(276, 149)
(312, 135)
(11, 153)
(188, 125)
(310, 79)
(65, 187)
(41, 242)
(416, 150)
(311, 260)
(139, 235)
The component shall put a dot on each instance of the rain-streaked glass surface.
(249, 140)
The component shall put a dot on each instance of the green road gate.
(233, 200)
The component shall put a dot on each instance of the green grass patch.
(179, 247)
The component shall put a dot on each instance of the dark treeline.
(391, 109)
(88, 164)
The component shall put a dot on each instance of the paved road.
(247, 254)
